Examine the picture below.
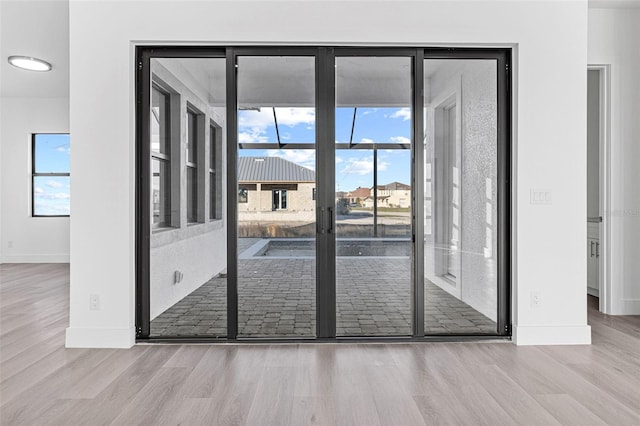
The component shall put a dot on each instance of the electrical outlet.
(536, 299)
(94, 302)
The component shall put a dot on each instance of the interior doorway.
(597, 181)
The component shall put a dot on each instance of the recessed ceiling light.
(28, 63)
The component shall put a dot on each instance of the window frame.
(243, 196)
(503, 56)
(282, 194)
(35, 174)
(166, 158)
(214, 171)
(194, 142)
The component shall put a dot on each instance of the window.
(243, 195)
(215, 178)
(160, 159)
(192, 138)
(50, 191)
(279, 197)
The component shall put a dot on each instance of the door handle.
(320, 221)
(324, 222)
(591, 250)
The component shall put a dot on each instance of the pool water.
(366, 247)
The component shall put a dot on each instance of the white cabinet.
(593, 260)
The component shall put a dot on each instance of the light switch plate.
(541, 196)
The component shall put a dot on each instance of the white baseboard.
(552, 335)
(593, 292)
(36, 258)
(100, 337)
(626, 307)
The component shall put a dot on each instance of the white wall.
(25, 238)
(550, 150)
(614, 39)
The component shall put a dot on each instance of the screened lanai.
(331, 230)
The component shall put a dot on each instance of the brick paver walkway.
(276, 297)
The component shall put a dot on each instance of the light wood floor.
(41, 382)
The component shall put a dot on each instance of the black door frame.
(325, 199)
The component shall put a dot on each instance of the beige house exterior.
(274, 189)
(394, 194)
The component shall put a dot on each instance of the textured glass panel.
(460, 196)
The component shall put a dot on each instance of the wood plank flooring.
(42, 383)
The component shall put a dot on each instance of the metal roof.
(272, 169)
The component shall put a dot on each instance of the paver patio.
(276, 297)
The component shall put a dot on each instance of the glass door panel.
(460, 199)
(188, 244)
(276, 196)
(373, 195)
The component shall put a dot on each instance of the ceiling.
(39, 29)
(280, 81)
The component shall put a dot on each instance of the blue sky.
(353, 167)
(51, 193)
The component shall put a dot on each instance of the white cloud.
(404, 113)
(368, 111)
(253, 125)
(38, 190)
(366, 140)
(263, 119)
(62, 148)
(339, 160)
(47, 207)
(252, 136)
(53, 196)
(362, 166)
(54, 184)
(400, 139)
(303, 157)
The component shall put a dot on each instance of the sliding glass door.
(461, 196)
(322, 193)
(186, 183)
(373, 195)
(276, 179)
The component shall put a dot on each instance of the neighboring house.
(394, 194)
(272, 188)
(383, 201)
(399, 194)
(358, 195)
